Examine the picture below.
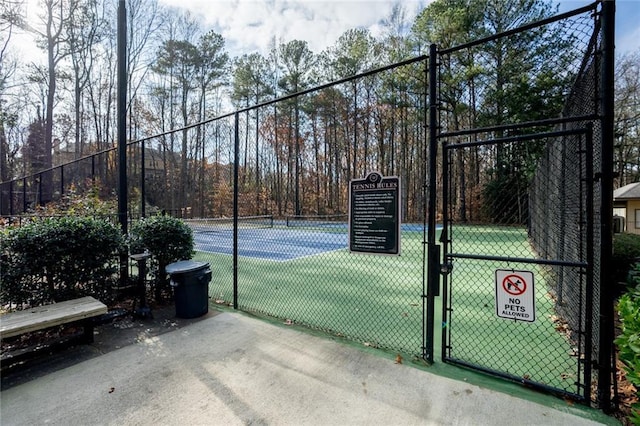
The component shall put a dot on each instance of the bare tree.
(9, 13)
(57, 15)
(84, 30)
(627, 117)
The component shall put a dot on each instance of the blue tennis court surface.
(271, 244)
(280, 244)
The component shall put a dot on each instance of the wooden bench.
(81, 311)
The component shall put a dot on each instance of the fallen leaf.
(398, 359)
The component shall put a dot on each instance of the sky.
(627, 22)
(249, 25)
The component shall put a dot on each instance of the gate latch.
(446, 268)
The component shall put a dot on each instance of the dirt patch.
(627, 396)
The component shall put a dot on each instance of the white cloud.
(250, 25)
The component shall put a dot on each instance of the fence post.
(24, 195)
(605, 358)
(122, 115)
(433, 275)
(11, 211)
(143, 210)
(122, 132)
(236, 165)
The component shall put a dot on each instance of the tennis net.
(317, 221)
(220, 224)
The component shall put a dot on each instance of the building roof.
(627, 192)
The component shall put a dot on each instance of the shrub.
(55, 259)
(81, 199)
(628, 341)
(626, 252)
(167, 239)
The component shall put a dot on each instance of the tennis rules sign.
(374, 214)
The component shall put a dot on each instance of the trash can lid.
(185, 266)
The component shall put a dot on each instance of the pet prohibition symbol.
(515, 295)
(514, 284)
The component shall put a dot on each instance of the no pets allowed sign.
(515, 295)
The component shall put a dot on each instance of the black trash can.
(190, 282)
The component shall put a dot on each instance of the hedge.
(56, 259)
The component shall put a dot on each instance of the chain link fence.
(519, 195)
(296, 158)
(266, 191)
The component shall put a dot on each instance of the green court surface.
(540, 350)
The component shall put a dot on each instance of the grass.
(377, 301)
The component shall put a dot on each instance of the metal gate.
(524, 175)
(519, 286)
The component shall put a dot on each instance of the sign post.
(374, 214)
(515, 295)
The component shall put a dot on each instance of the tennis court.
(261, 237)
(275, 244)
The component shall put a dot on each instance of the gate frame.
(584, 364)
(437, 264)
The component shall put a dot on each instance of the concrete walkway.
(231, 369)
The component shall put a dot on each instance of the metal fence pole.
(11, 211)
(61, 181)
(122, 115)
(143, 211)
(24, 195)
(433, 276)
(236, 166)
(122, 132)
(605, 368)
